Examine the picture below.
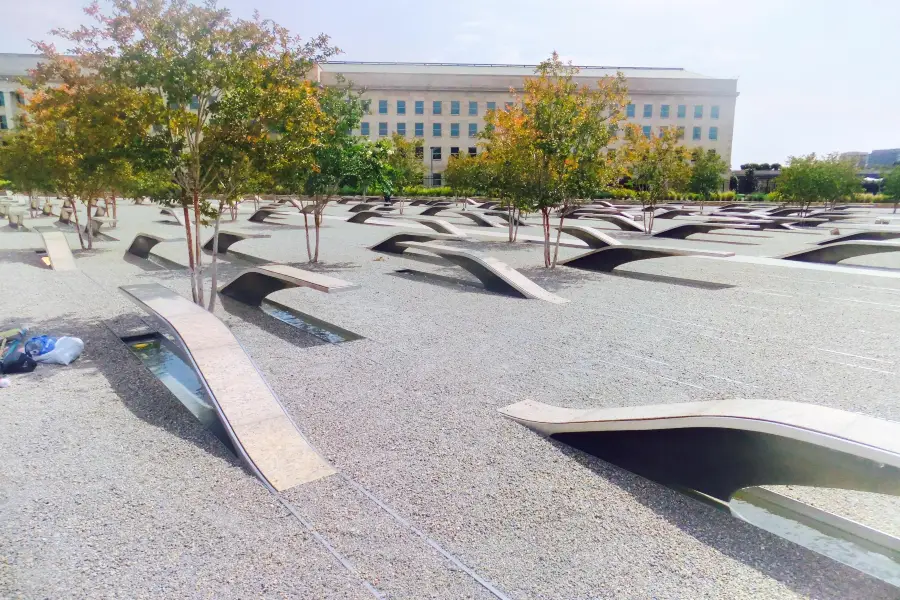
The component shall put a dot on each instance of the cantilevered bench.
(262, 432)
(143, 243)
(594, 238)
(674, 212)
(58, 251)
(495, 275)
(174, 214)
(433, 210)
(610, 256)
(719, 447)
(838, 251)
(361, 207)
(96, 223)
(519, 220)
(439, 225)
(623, 223)
(364, 215)
(861, 235)
(477, 217)
(253, 285)
(262, 214)
(391, 243)
(16, 219)
(680, 232)
(229, 238)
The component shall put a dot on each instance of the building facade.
(12, 95)
(444, 104)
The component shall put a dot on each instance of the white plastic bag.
(66, 350)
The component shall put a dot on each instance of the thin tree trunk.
(90, 225)
(190, 248)
(562, 217)
(518, 213)
(77, 224)
(115, 212)
(512, 222)
(214, 266)
(309, 254)
(545, 222)
(317, 225)
(197, 253)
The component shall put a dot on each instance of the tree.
(808, 179)
(707, 171)
(404, 167)
(565, 128)
(188, 56)
(657, 165)
(891, 186)
(22, 166)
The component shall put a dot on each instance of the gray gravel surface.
(410, 414)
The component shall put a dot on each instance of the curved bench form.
(58, 251)
(623, 223)
(674, 212)
(361, 207)
(171, 213)
(391, 244)
(733, 205)
(519, 220)
(722, 446)
(143, 243)
(680, 232)
(229, 238)
(260, 429)
(610, 257)
(478, 218)
(97, 223)
(439, 225)
(253, 285)
(364, 215)
(495, 275)
(594, 238)
(836, 252)
(488, 205)
(262, 214)
(417, 202)
(432, 211)
(861, 235)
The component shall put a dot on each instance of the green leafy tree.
(809, 179)
(707, 172)
(405, 168)
(891, 186)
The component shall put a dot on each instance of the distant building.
(858, 158)
(883, 158)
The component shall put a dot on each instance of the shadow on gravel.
(443, 281)
(30, 258)
(805, 572)
(255, 316)
(138, 389)
(682, 281)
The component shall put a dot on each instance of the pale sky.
(813, 75)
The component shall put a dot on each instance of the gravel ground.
(117, 492)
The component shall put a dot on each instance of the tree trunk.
(545, 222)
(115, 212)
(562, 217)
(512, 222)
(518, 213)
(90, 225)
(190, 248)
(309, 254)
(77, 224)
(197, 254)
(214, 266)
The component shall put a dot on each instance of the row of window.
(437, 129)
(3, 124)
(14, 98)
(437, 152)
(696, 134)
(437, 107)
(665, 109)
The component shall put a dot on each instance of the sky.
(813, 75)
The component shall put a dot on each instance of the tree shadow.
(257, 317)
(806, 572)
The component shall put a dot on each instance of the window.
(382, 107)
(664, 111)
(401, 107)
(698, 111)
(420, 152)
(401, 129)
(454, 129)
(195, 103)
(714, 133)
(508, 105)
(420, 107)
(714, 112)
(436, 107)
(382, 129)
(435, 153)
(3, 124)
(646, 130)
(473, 108)
(629, 110)
(697, 134)
(454, 151)
(473, 151)
(473, 129)
(648, 111)
(420, 129)
(454, 107)
(436, 129)
(364, 128)
(491, 106)
(367, 106)
(681, 132)
(2, 99)
(436, 180)
(682, 111)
